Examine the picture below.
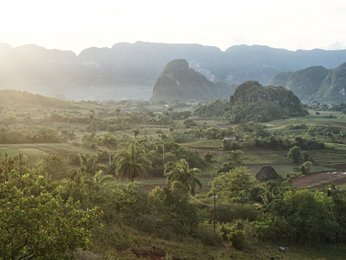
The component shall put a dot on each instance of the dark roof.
(267, 173)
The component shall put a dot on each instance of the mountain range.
(316, 83)
(130, 70)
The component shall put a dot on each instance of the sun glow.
(79, 24)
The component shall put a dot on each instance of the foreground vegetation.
(133, 179)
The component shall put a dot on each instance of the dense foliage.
(253, 102)
(35, 221)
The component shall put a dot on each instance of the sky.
(79, 24)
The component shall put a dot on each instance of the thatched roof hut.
(267, 173)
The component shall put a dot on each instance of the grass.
(126, 238)
(31, 154)
(35, 152)
(204, 144)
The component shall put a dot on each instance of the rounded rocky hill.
(253, 102)
(178, 82)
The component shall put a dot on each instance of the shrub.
(226, 213)
(230, 145)
(305, 168)
(295, 154)
(205, 233)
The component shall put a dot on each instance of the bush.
(239, 233)
(304, 216)
(147, 223)
(271, 228)
(205, 233)
(237, 238)
(189, 123)
(226, 213)
(295, 154)
(230, 145)
(305, 168)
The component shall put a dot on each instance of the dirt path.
(319, 178)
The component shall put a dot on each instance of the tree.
(235, 160)
(92, 118)
(88, 163)
(305, 168)
(53, 167)
(110, 142)
(133, 162)
(10, 163)
(181, 171)
(173, 209)
(309, 215)
(163, 137)
(234, 186)
(34, 223)
(135, 133)
(295, 154)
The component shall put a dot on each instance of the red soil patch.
(319, 178)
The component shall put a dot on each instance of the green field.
(79, 129)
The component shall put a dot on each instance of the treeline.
(159, 149)
(329, 107)
(284, 142)
(257, 135)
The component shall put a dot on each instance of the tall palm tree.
(132, 162)
(163, 137)
(110, 142)
(181, 171)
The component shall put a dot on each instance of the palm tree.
(163, 137)
(181, 171)
(99, 178)
(132, 162)
(110, 142)
(88, 163)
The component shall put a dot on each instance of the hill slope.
(316, 83)
(304, 83)
(333, 87)
(13, 99)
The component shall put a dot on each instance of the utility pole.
(163, 137)
(163, 155)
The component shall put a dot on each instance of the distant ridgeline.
(129, 71)
(253, 102)
(315, 83)
(178, 82)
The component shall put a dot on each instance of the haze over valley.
(130, 71)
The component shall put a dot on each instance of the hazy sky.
(78, 24)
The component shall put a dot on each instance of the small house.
(267, 173)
